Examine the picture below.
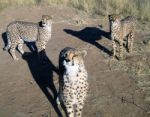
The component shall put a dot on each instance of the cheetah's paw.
(57, 101)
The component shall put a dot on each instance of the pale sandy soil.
(27, 87)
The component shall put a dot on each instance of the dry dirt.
(117, 89)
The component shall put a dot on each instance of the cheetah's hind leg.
(113, 49)
(130, 42)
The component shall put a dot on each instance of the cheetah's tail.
(6, 48)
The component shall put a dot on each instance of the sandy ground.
(28, 88)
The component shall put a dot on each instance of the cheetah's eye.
(65, 55)
(74, 56)
(67, 60)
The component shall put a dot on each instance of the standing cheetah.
(19, 32)
(73, 81)
(121, 29)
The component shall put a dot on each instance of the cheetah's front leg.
(114, 48)
(40, 46)
(79, 108)
(120, 49)
(12, 50)
(20, 45)
(41, 50)
(60, 93)
(130, 42)
(70, 110)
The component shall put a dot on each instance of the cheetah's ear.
(47, 17)
(83, 53)
(50, 16)
(109, 17)
(118, 16)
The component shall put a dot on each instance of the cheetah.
(121, 29)
(19, 32)
(73, 87)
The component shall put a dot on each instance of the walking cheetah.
(73, 81)
(121, 29)
(19, 32)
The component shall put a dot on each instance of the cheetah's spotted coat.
(120, 29)
(19, 32)
(73, 81)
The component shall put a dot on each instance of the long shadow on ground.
(91, 35)
(43, 75)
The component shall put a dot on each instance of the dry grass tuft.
(7, 3)
(138, 8)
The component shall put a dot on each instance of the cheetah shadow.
(91, 35)
(31, 45)
(4, 38)
(43, 76)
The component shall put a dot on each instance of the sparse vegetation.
(117, 88)
(8, 3)
(138, 8)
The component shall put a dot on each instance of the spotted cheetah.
(19, 32)
(73, 80)
(121, 29)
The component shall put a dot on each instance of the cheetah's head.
(114, 18)
(74, 56)
(46, 20)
